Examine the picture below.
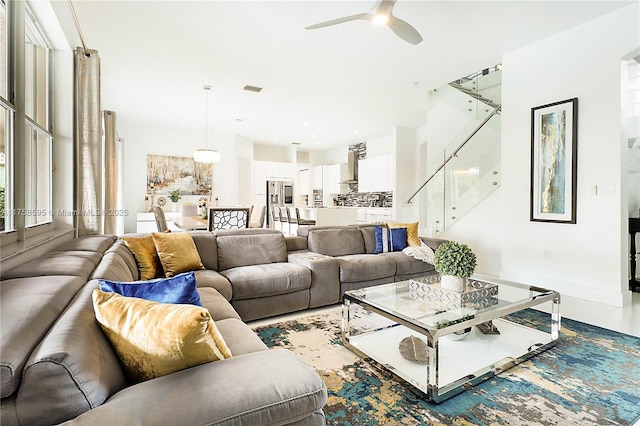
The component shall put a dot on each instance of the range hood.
(352, 169)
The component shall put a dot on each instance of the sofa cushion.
(28, 308)
(407, 265)
(205, 242)
(240, 338)
(180, 288)
(218, 306)
(72, 370)
(250, 249)
(121, 249)
(250, 282)
(275, 387)
(369, 236)
(155, 339)
(56, 263)
(177, 252)
(95, 243)
(146, 257)
(336, 241)
(388, 240)
(365, 267)
(213, 279)
(113, 267)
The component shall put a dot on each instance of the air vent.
(253, 89)
(302, 157)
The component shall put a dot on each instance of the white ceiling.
(320, 86)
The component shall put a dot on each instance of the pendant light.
(206, 155)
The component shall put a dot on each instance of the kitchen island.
(330, 216)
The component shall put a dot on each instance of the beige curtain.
(87, 143)
(112, 173)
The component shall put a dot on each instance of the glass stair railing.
(468, 169)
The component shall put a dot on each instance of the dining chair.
(228, 218)
(161, 220)
(260, 222)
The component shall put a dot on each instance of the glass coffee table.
(449, 342)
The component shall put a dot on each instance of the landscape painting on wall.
(554, 161)
(167, 173)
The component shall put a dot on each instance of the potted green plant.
(454, 262)
(175, 196)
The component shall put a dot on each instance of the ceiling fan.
(380, 14)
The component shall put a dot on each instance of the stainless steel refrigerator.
(279, 193)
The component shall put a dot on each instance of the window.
(32, 146)
(38, 136)
(6, 121)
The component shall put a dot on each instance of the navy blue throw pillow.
(394, 239)
(179, 289)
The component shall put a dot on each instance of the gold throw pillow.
(144, 251)
(412, 232)
(177, 252)
(154, 339)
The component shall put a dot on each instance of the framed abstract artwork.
(554, 149)
(169, 173)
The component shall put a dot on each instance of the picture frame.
(554, 161)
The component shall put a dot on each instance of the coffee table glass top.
(414, 301)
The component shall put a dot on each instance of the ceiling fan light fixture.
(380, 19)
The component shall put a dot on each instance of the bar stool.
(291, 220)
(302, 221)
(283, 220)
(275, 215)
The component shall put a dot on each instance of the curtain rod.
(75, 18)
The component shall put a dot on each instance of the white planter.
(453, 283)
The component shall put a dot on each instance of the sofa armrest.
(434, 243)
(266, 387)
(325, 276)
(295, 243)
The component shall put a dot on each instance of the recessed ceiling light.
(255, 89)
(275, 139)
(305, 124)
(313, 136)
(355, 131)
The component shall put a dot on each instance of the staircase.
(468, 169)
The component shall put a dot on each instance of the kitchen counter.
(331, 216)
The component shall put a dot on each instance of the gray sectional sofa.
(57, 365)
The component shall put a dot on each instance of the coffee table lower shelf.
(460, 364)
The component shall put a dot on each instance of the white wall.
(231, 176)
(588, 259)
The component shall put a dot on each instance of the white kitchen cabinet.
(331, 179)
(317, 177)
(280, 171)
(259, 177)
(303, 182)
(375, 174)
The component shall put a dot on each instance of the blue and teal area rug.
(591, 377)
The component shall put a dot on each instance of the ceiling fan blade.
(404, 30)
(365, 16)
